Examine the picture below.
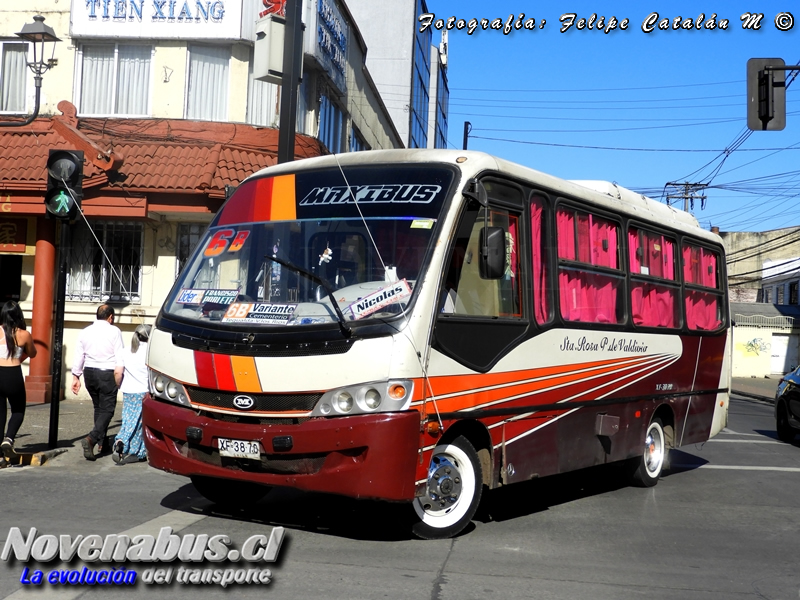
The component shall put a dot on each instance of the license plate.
(239, 449)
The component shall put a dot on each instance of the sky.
(640, 109)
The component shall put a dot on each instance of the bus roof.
(602, 193)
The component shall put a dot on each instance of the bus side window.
(590, 281)
(465, 292)
(703, 303)
(541, 291)
(654, 288)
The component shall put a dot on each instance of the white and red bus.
(418, 325)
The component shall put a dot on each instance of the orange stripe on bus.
(284, 206)
(449, 384)
(245, 374)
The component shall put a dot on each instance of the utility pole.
(292, 61)
(688, 192)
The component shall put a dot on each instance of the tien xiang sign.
(164, 19)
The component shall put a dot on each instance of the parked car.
(787, 406)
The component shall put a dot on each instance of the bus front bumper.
(364, 456)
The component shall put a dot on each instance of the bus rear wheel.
(229, 493)
(644, 470)
(454, 488)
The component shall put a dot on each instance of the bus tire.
(455, 485)
(783, 429)
(228, 492)
(644, 470)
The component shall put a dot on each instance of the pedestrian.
(129, 443)
(15, 346)
(99, 358)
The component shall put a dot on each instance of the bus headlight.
(344, 402)
(365, 398)
(164, 388)
(372, 398)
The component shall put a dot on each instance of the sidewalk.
(763, 387)
(75, 420)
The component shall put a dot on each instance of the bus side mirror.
(493, 253)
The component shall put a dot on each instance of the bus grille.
(262, 402)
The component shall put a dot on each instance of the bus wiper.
(346, 331)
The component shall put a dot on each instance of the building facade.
(162, 99)
(409, 71)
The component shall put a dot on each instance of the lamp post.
(38, 34)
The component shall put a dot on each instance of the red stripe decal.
(222, 365)
(204, 365)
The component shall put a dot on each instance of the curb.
(767, 399)
(32, 460)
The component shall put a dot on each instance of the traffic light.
(64, 183)
(766, 94)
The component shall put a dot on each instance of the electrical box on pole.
(268, 52)
(766, 94)
(64, 184)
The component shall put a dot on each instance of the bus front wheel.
(228, 492)
(454, 487)
(645, 469)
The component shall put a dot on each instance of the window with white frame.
(188, 236)
(115, 79)
(331, 121)
(105, 262)
(13, 77)
(207, 93)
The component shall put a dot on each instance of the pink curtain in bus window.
(633, 251)
(565, 225)
(604, 243)
(701, 310)
(708, 264)
(584, 238)
(652, 305)
(588, 297)
(668, 255)
(691, 265)
(539, 267)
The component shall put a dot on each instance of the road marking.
(732, 432)
(738, 468)
(176, 519)
(744, 441)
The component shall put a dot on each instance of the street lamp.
(38, 34)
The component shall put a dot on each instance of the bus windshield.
(315, 247)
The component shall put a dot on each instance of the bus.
(420, 326)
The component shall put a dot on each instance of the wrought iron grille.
(188, 236)
(90, 277)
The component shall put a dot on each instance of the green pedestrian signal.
(64, 184)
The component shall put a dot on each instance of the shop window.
(105, 262)
(189, 235)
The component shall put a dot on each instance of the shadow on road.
(386, 521)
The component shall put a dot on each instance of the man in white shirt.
(99, 358)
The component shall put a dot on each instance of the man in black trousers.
(99, 358)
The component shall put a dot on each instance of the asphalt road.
(722, 523)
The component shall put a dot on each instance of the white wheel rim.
(440, 517)
(654, 450)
